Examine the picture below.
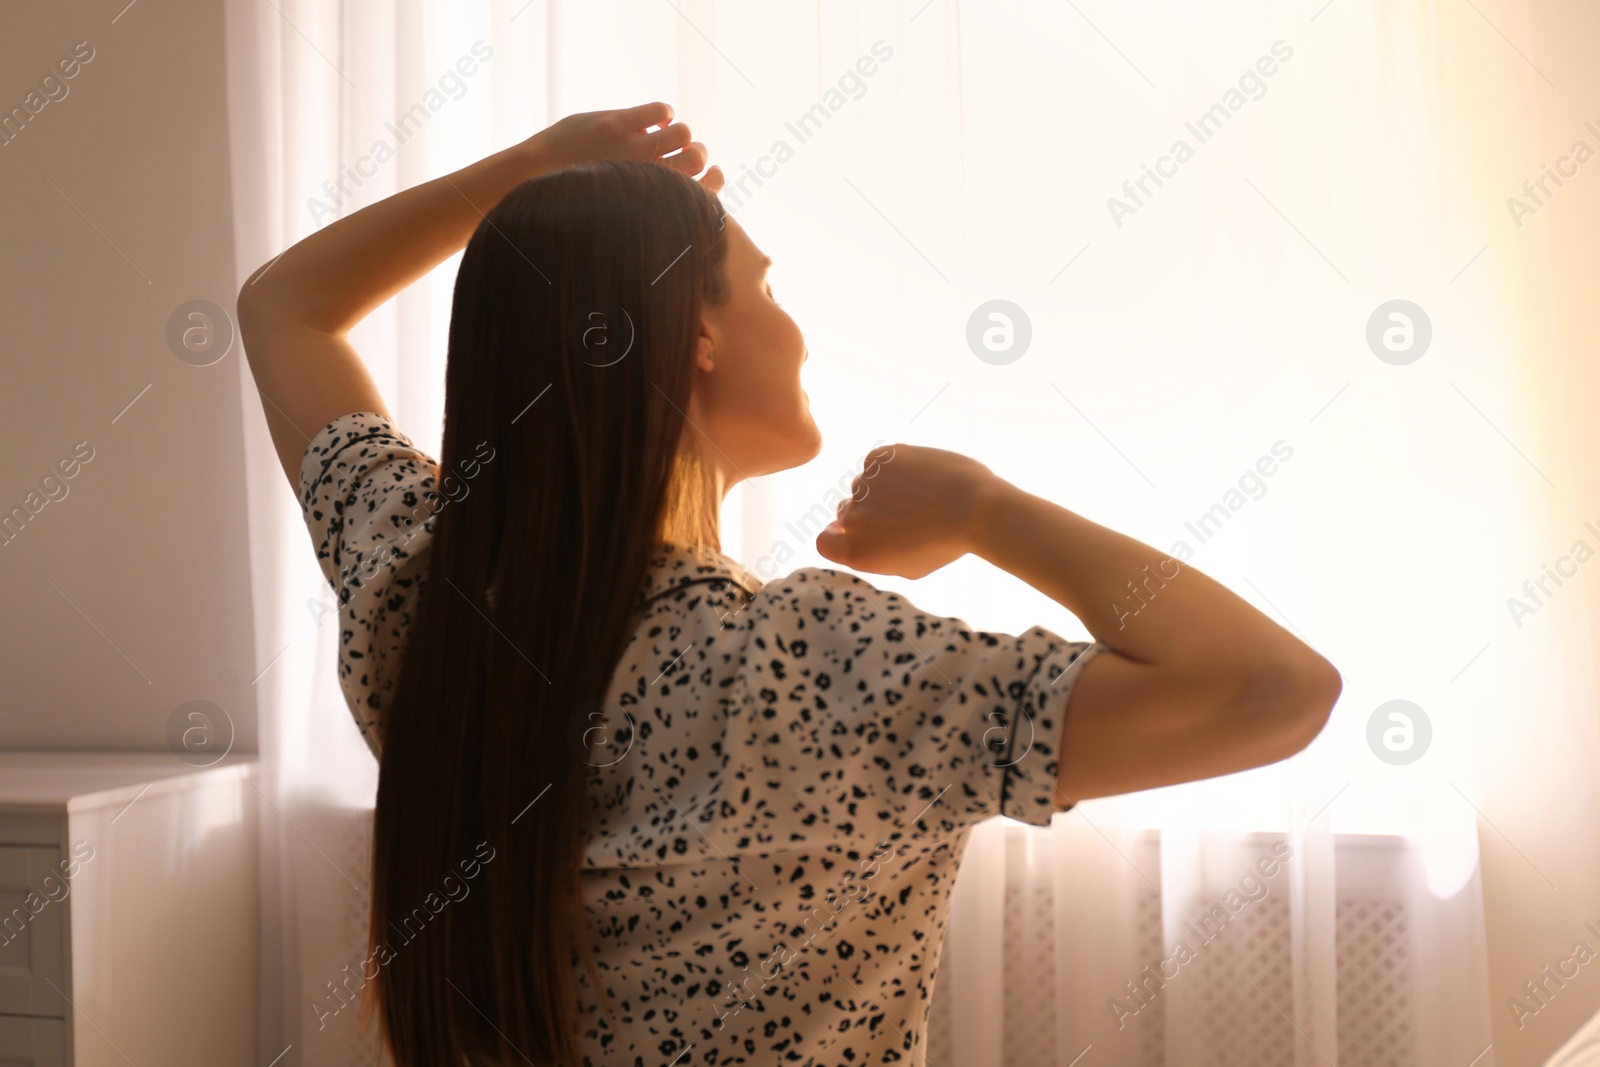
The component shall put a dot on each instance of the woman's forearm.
(334, 278)
(1141, 602)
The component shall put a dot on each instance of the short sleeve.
(367, 495)
(883, 718)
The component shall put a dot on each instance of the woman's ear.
(705, 349)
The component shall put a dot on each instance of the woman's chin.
(806, 446)
(795, 447)
(814, 449)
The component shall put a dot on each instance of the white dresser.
(128, 910)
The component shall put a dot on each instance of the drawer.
(33, 1042)
(33, 924)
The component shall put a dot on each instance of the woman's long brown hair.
(580, 294)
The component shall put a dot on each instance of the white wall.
(149, 544)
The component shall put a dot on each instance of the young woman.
(698, 819)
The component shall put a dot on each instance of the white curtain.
(1197, 350)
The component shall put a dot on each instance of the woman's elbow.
(1320, 691)
(251, 302)
(1296, 697)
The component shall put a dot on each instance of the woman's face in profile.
(747, 397)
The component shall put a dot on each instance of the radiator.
(1380, 1022)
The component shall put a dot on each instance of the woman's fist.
(911, 511)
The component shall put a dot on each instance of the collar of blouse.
(675, 566)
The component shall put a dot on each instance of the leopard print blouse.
(780, 790)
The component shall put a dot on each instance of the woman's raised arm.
(1193, 681)
(295, 311)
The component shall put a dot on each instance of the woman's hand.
(593, 136)
(911, 511)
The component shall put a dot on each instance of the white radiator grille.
(357, 861)
(1029, 948)
(1241, 1026)
(1244, 987)
(1153, 1020)
(1375, 985)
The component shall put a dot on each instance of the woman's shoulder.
(811, 590)
(851, 613)
(351, 448)
(815, 580)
